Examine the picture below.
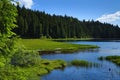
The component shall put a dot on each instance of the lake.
(107, 48)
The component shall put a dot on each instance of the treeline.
(36, 24)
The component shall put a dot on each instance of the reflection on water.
(107, 70)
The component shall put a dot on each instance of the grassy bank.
(114, 59)
(49, 45)
(48, 65)
(11, 72)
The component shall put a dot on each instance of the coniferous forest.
(36, 24)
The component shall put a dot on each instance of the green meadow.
(49, 45)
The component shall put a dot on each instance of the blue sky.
(102, 10)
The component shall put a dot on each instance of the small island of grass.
(83, 63)
(80, 63)
(114, 59)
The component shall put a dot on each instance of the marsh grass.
(52, 46)
(115, 59)
(48, 65)
(83, 63)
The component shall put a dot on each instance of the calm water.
(92, 73)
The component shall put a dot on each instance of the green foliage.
(9, 47)
(25, 58)
(8, 13)
(2, 61)
(36, 24)
(10, 72)
(16, 63)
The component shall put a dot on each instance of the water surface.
(92, 73)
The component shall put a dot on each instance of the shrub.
(2, 61)
(25, 58)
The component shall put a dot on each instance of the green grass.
(11, 72)
(49, 45)
(83, 63)
(48, 65)
(114, 59)
(80, 63)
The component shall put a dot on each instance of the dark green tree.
(41, 24)
(8, 13)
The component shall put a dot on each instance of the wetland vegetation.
(47, 46)
(115, 59)
(84, 63)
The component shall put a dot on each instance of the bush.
(2, 61)
(25, 58)
(10, 72)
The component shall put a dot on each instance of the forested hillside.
(36, 24)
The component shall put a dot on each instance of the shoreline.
(84, 39)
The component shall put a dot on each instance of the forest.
(38, 24)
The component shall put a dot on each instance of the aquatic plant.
(83, 63)
(115, 59)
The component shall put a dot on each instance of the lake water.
(91, 73)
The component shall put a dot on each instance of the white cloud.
(110, 17)
(26, 3)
